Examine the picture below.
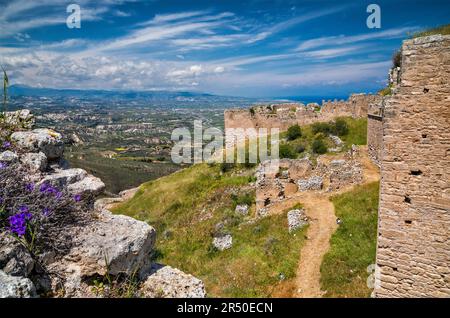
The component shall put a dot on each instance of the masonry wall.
(413, 251)
(285, 115)
(375, 130)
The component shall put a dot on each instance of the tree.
(287, 151)
(294, 132)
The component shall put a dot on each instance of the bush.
(287, 151)
(340, 127)
(300, 148)
(319, 146)
(397, 59)
(294, 132)
(225, 167)
(325, 128)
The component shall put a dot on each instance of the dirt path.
(320, 211)
(322, 225)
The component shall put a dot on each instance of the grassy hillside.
(444, 30)
(186, 207)
(353, 245)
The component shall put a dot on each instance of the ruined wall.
(413, 252)
(375, 130)
(283, 116)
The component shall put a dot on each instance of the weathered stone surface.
(296, 219)
(313, 183)
(63, 178)
(414, 211)
(14, 258)
(89, 184)
(34, 161)
(223, 242)
(242, 209)
(8, 156)
(167, 282)
(20, 119)
(45, 140)
(337, 141)
(16, 287)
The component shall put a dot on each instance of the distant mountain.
(21, 90)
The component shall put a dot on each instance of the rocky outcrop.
(242, 209)
(223, 242)
(106, 245)
(16, 287)
(23, 119)
(167, 282)
(313, 183)
(296, 219)
(45, 140)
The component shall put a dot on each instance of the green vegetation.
(444, 30)
(350, 130)
(185, 208)
(353, 245)
(287, 151)
(294, 132)
(319, 146)
(387, 91)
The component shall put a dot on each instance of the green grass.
(176, 206)
(357, 134)
(444, 30)
(353, 245)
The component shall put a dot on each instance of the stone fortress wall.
(283, 116)
(413, 252)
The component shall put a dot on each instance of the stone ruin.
(414, 212)
(274, 185)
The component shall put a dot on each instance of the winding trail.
(320, 211)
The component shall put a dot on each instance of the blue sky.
(242, 48)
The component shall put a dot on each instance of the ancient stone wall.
(413, 252)
(283, 116)
(375, 130)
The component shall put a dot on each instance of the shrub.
(287, 151)
(294, 132)
(300, 148)
(397, 59)
(325, 128)
(252, 111)
(225, 167)
(38, 216)
(340, 127)
(319, 146)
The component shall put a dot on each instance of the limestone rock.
(223, 242)
(313, 183)
(167, 282)
(34, 161)
(8, 156)
(296, 219)
(89, 184)
(14, 258)
(65, 177)
(16, 287)
(337, 141)
(242, 209)
(113, 244)
(20, 119)
(45, 140)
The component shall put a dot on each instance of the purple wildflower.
(44, 187)
(24, 209)
(2, 165)
(18, 223)
(46, 212)
(77, 197)
(6, 144)
(58, 195)
(29, 187)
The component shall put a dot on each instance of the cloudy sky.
(241, 48)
